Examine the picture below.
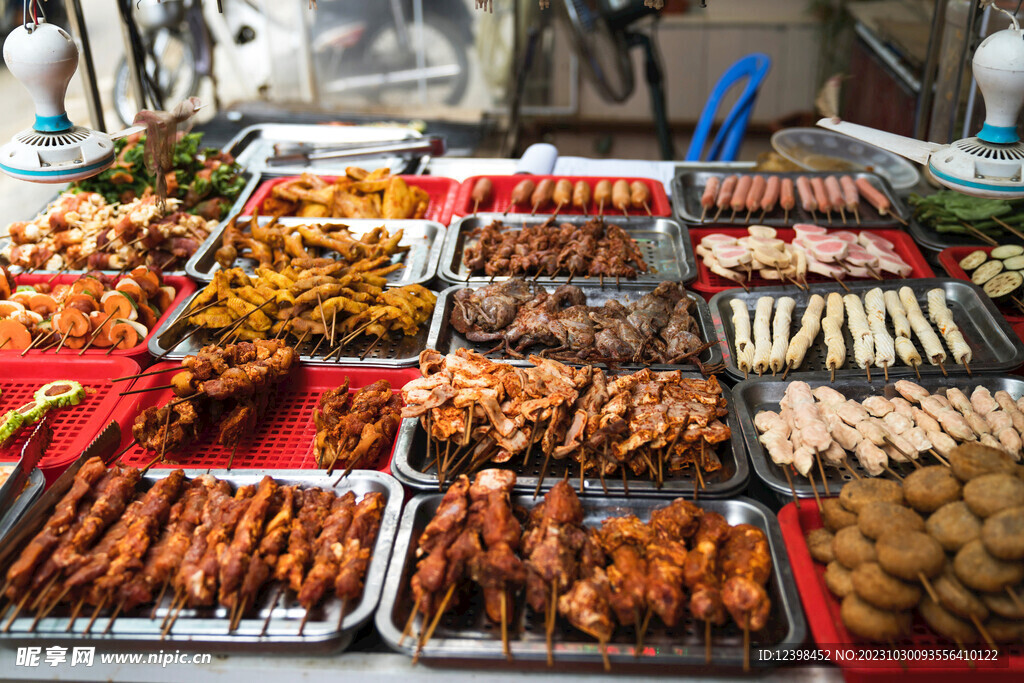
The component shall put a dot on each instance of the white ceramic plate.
(817, 149)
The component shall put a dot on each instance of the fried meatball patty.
(946, 624)
(972, 460)
(1003, 534)
(1003, 604)
(877, 587)
(838, 579)
(835, 516)
(908, 555)
(953, 525)
(978, 570)
(858, 493)
(819, 543)
(988, 494)
(929, 488)
(866, 621)
(957, 598)
(851, 547)
(879, 517)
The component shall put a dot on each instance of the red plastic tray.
(504, 184)
(73, 427)
(950, 258)
(822, 610)
(442, 193)
(183, 288)
(710, 283)
(284, 437)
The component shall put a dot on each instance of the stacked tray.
(73, 426)
(183, 289)
(207, 629)
(755, 395)
(410, 466)
(994, 345)
(446, 339)
(172, 341)
(17, 502)
(862, 661)
(466, 634)
(688, 186)
(424, 239)
(503, 185)
(664, 245)
(710, 283)
(442, 193)
(284, 435)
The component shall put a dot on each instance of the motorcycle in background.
(365, 49)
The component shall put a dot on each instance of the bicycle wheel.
(385, 70)
(170, 63)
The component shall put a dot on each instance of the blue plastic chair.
(754, 67)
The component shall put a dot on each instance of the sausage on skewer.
(707, 200)
(807, 201)
(562, 194)
(603, 195)
(640, 196)
(521, 193)
(581, 196)
(787, 197)
(835, 195)
(725, 196)
(543, 195)
(850, 196)
(739, 197)
(771, 195)
(757, 188)
(481, 192)
(874, 196)
(821, 197)
(621, 196)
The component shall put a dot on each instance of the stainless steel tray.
(168, 343)
(993, 343)
(243, 196)
(22, 500)
(755, 395)
(688, 186)
(664, 244)
(409, 466)
(254, 144)
(447, 339)
(207, 629)
(468, 634)
(424, 238)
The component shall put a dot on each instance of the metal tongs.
(31, 453)
(284, 156)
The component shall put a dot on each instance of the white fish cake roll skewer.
(857, 322)
(885, 349)
(780, 333)
(942, 317)
(810, 326)
(897, 312)
(929, 340)
(741, 329)
(762, 334)
(832, 326)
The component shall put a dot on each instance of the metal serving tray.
(410, 467)
(934, 241)
(447, 339)
(207, 628)
(243, 196)
(664, 244)
(756, 395)
(254, 144)
(994, 345)
(466, 634)
(169, 343)
(21, 500)
(425, 239)
(688, 186)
